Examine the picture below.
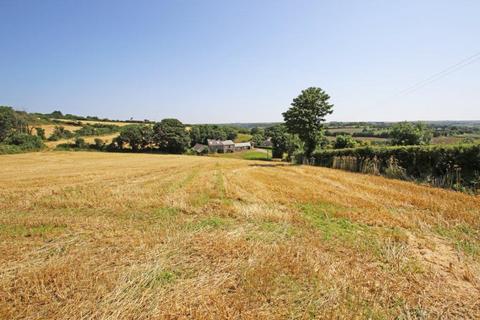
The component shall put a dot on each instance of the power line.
(437, 76)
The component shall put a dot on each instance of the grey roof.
(199, 147)
(227, 142)
(212, 142)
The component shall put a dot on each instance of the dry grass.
(88, 139)
(49, 128)
(116, 123)
(132, 236)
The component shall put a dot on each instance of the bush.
(344, 141)
(405, 133)
(80, 143)
(445, 165)
(99, 143)
(25, 140)
(21, 142)
(41, 133)
(60, 133)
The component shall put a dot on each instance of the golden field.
(86, 235)
(115, 123)
(88, 139)
(49, 128)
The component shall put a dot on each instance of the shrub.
(21, 142)
(99, 144)
(344, 141)
(60, 133)
(41, 133)
(24, 140)
(80, 143)
(405, 133)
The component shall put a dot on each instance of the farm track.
(91, 235)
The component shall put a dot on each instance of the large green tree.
(7, 122)
(170, 136)
(344, 141)
(305, 117)
(406, 133)
(282, 141)
(137, 136)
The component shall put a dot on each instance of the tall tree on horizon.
(306, 115)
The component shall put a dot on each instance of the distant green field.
(345, 129)
(246, 155)
(243, 137)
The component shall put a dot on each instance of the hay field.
(49, 128)
(88, 139)
(88, 235)
(115, 123)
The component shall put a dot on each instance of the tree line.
(169, 136)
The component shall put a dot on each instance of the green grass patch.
(200, 199)
(270, 231)
(386, 244)
(166, 214)
(209, 223)
(246, 155)
(322, 216)
(255, 155)
(465, 238)
(161, 278)
(41, 230)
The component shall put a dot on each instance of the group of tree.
(283, 142)
(59, 115)
(302, 127)
(200, 133)
(407, 133)
(168, 135)
(59, 133)
(400, 134)
(16, 129)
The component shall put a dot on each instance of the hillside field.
(90, 235)
(88, 139)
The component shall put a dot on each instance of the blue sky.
(239, 61)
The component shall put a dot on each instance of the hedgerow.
(454, 166)
(21, 142)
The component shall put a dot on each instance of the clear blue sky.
(239, 61)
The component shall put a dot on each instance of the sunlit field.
(116, 123)
(89, 235)
(88, 139)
